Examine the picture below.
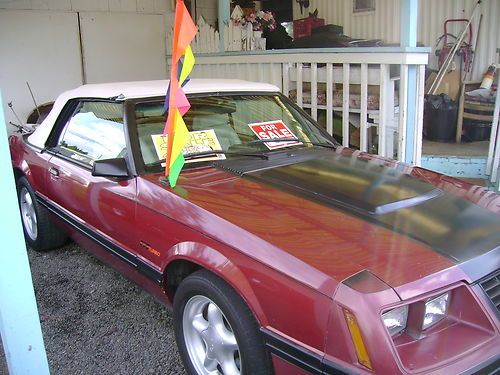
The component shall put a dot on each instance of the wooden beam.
(409, 22)
(408, 38)
(224, 15)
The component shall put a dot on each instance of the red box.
(304, 26)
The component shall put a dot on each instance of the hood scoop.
(350, 183)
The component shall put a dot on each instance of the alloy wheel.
(28, 214)
(209, 338)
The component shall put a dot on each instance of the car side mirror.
(110, 168)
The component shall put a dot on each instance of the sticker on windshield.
(199, 141)
(274, 130)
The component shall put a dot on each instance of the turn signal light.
(357, 339)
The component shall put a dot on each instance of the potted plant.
(261, 20)
(256, 23)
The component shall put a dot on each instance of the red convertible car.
(279, 250)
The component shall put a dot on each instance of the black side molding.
(111, 247)
(300, 357)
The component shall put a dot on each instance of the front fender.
(216, 262)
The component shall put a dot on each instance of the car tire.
(215, 330)
(40, 233)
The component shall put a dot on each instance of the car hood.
(340, 215)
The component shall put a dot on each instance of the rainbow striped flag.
(175, 128)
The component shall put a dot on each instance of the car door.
(98, 207)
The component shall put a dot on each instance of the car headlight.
(395, 319)
(435, 310)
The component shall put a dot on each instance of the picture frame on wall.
(360, 6)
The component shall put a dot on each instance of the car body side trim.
(298, 356)
(106, 244)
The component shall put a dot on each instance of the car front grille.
(491, 286)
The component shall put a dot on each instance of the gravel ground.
(95, 321)
(3, 364)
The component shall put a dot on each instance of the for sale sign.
(274, 130)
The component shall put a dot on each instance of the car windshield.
(237, 124)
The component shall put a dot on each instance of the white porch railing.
(318, 79)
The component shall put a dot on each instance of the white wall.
(40, 43)
(135, 53)
(384, 23)
(136, 6)
(45, 51)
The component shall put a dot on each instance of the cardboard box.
(450, 85)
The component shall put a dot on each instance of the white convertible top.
(140, 89)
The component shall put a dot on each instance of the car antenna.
(34, 101)
(19, 126)
(14, 112)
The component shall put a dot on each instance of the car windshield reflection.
(238, 124)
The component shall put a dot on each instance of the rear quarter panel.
(30, 161)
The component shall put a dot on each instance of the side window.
(94, 132)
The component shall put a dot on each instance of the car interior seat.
(220, 124)
(144, 132)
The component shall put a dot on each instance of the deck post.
(408, 36)
(19, 322)
(224, 15)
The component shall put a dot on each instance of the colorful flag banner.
(167, 97)
(178, 135)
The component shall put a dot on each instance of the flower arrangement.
(260, 21)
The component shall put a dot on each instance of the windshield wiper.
(195, 155)
(326, 145)
(201, 154)
(260, 141)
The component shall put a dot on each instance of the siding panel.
(384, 23)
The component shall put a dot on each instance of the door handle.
(53, 171)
